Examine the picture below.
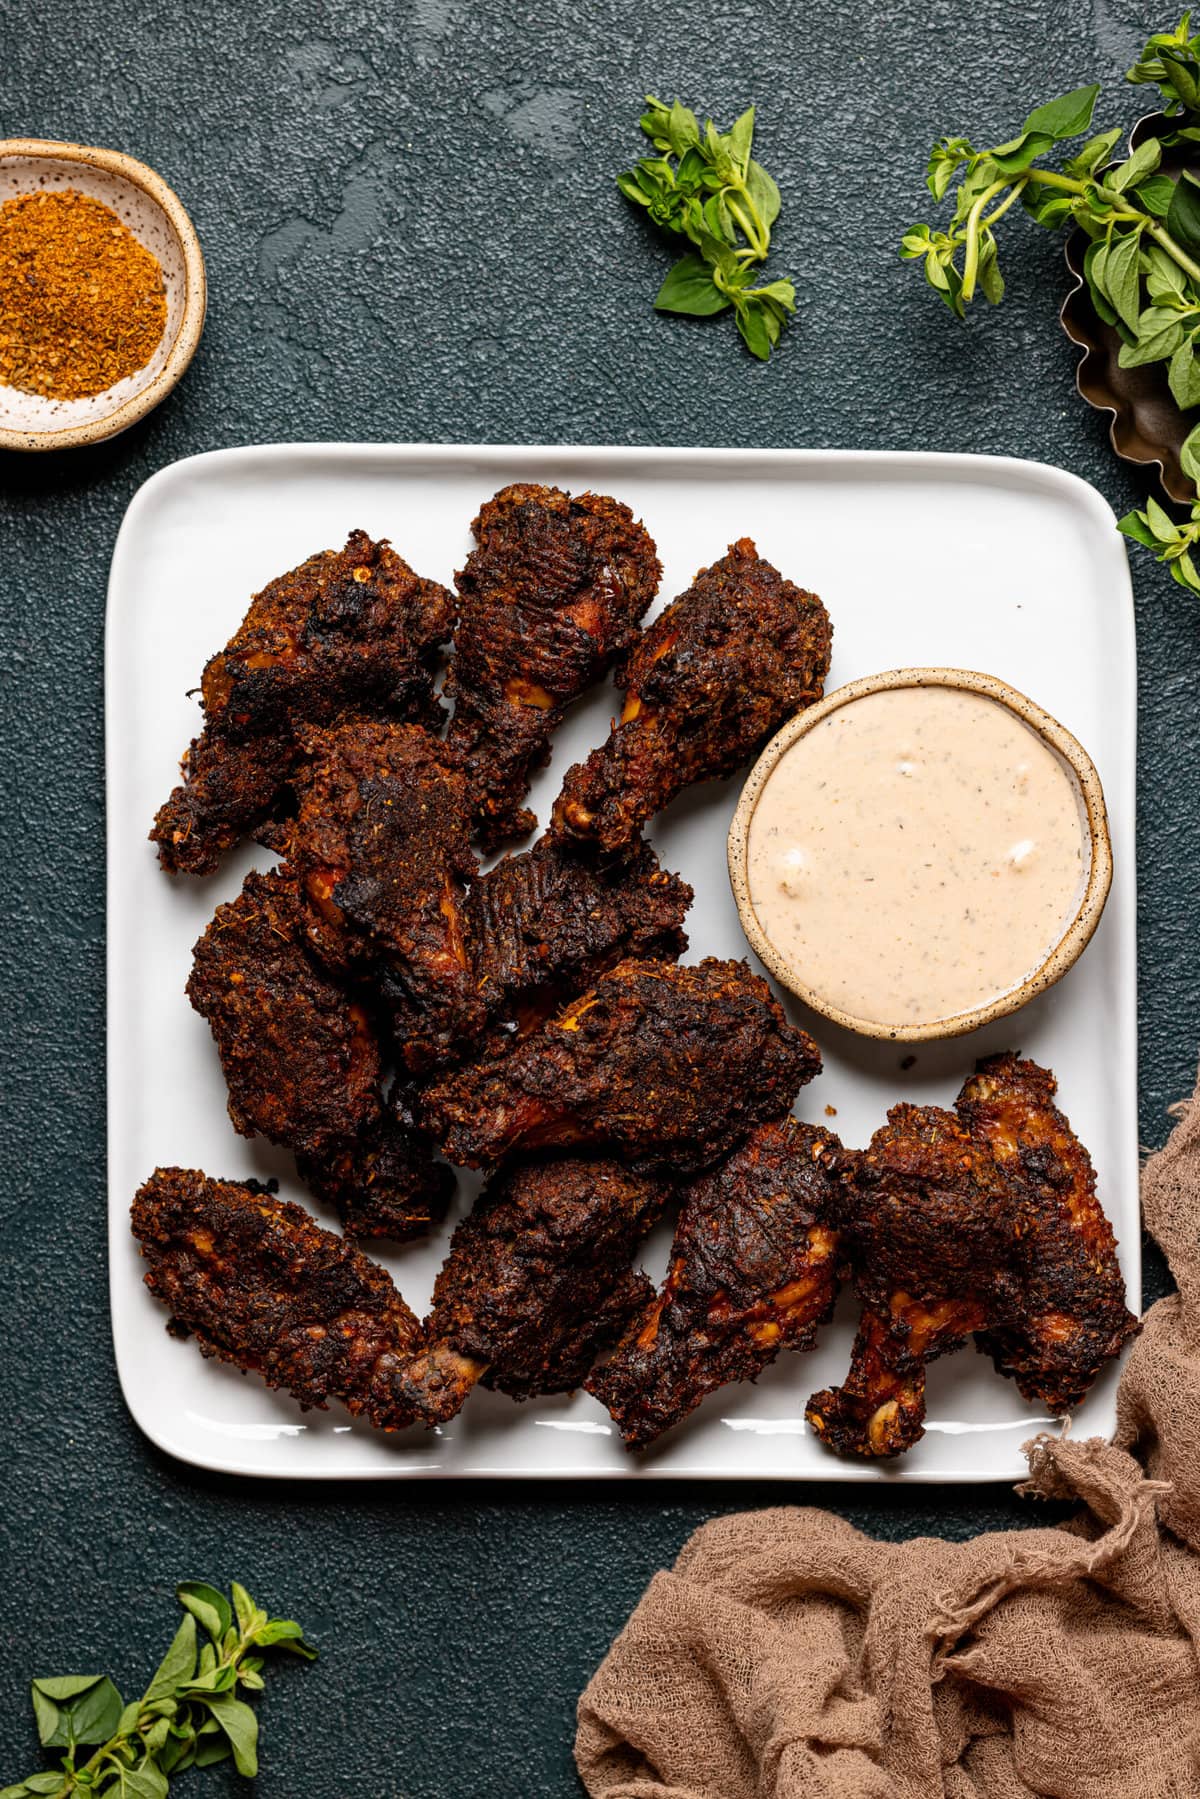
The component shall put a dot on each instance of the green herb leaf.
(178, 1664)
(1067, 117)
(1094, 154)
(1160, 334)
(763, 192)
(207, 1605)
(1093, 269)
(1183, 376)
(1183, 218)
(241, 1727)
(144, 1782)
(1189, 455)
(1134, 525)
(689, 288)
(1135, 168)
(285, 1633)
(1156, 194)
(753, 327)
(741, 137)
(1122, 278)
(75, 1708)
(1015, 157)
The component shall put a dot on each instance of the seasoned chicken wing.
(705, 686)
(1072, 1316)
(352, 629)
(669, 1064)
(536, 1283)
(552, 592)
(302, 1064)
(548, 922)
(381, 848)
(259, 1284)
(984, 1222)
(753, 1270)
(931, 1230)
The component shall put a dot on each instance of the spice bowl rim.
(1076, 934)
(191, 323)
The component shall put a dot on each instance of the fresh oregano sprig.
(705, 187)
(189, 1715)
(1142, 266)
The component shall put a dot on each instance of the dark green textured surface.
(411, 233)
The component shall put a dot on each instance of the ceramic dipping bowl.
(1076, 933)
(152, 211)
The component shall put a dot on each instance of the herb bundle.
(1142, 266)
(189, 1715)
(706, 188)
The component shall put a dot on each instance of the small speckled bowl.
(143, 202)
(1077, 933)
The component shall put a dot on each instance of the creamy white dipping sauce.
(917, 853)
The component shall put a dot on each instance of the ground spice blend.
(82, 302)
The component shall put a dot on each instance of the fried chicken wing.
(551, 594)
(670, 1064)
(302, 1064)
(259, 1284)
(548, 922)
(705, 686)
(1072, 1316)
(351, 629)
(753, 1270)
(381, 848)
(537, 1282)
(984, 1223)
(931, 1229)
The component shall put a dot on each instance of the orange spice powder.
(82, 302)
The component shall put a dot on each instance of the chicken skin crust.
(930, 1228)
(753, 1270)
(1072, 1317)
(302, 1064)
(537, 1282)
(381, 848)
(671, 1065)
(259, 1284)
(548, 922)
(705, 686)
(551, 594)
(349, 630)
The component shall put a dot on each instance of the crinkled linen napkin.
(787, 1656)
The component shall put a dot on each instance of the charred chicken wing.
(548, 922)
(550, 595)
(670, 1064)
(352, 629)
(302, 1064)
(259, 1284)
(1072, 1316)
(753, 1270)
(536, 1283)
(931, 1229)
(381, 847)
(705, 686)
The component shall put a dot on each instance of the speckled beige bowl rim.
(195, 300)
(1074, 939)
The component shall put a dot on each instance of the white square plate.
(998, 565)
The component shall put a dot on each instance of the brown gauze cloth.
(787, 1656)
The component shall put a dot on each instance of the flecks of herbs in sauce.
(917, 853)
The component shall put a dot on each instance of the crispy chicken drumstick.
(552, 592)
(670, 1064)
(536, 1283)
(381, 847)
(705, 686)
(753, 1270)
(257, 1283)
(302, 1064)
(349, 630)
